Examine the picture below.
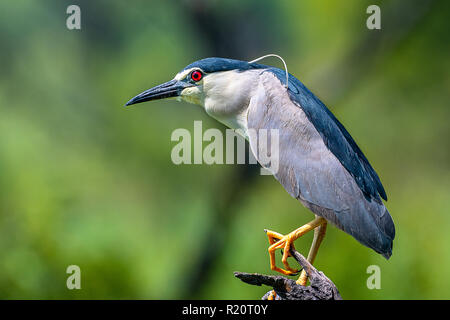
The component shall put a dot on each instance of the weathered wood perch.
(321, 288)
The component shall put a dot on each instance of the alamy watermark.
(374, 280)
(221, 150)
(374, 20)
(74, 280)
(73, 21)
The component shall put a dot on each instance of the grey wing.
(335, 136)
(311, 173)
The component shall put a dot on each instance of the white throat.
(227, 97)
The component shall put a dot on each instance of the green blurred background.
(85, 181)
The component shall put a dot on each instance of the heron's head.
(221, 86)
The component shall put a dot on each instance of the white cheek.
(191, 95)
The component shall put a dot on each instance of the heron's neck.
(228, 96)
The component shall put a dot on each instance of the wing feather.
(335, 136)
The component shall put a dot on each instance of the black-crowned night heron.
(319, 162)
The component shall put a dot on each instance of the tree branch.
(321, 288)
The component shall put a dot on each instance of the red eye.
(196, 75)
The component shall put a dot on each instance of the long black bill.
(169, 89)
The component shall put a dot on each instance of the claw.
(272, 295)
(278, 241)
(285, 243)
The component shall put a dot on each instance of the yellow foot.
(272, 295)
(278, 241)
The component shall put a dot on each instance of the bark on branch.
(321, 288)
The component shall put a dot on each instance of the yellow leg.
(319, 234)
(278, 241)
